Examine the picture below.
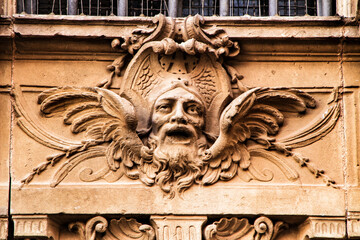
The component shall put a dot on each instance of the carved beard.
(181, 165)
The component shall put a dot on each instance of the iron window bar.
(178, 8)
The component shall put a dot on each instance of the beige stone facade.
(272, 130)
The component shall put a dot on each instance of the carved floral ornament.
(129, 229)
(182, 115)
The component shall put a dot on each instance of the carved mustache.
(179, 131)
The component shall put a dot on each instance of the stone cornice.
(237, 27)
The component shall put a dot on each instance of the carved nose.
(179, 116)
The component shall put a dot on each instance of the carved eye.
(165, 108)
(193, 110)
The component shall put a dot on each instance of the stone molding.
(324, 228)
(173, 227)
(35, 226)
(178, 227)
(353, 225)
(3, 228)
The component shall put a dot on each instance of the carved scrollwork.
(213, 36)
(241, 229)
(123, 229)
(176, 121)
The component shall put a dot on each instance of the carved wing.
(107, 120)
(254, 115)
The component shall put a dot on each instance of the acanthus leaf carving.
(123, 229)
(176, 121)
(235, 228)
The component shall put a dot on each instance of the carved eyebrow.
(165, 100)
(160, 102)
(194, 101)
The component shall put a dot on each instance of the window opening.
(179, 8)
(297, 7)
(147, 8)
(249, 7)
(202, 7)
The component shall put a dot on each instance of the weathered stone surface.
(38, 226)
(178, 227)
(4, 228)
(51, 73)
(176, 125)
(353, 225)
(323, 228)
(5, 121)
(351, 73)
(145, 200)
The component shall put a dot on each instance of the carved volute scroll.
(122, 229)
(182, 117)
(235, 228)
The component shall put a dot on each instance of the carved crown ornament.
(182, 116)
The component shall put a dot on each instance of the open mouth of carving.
(179, 135)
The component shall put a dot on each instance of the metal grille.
(297, 7)
(249, 7)
(59, 7)
(97, 7)
(147, 8)
(183, 8)
(202, 7)
(50, 6)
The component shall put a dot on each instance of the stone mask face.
(177, 118)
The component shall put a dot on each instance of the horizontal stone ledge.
(236, 27)
(137, 199)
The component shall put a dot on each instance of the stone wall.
(302, 183)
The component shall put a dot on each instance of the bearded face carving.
(177, 133)
(177, 120)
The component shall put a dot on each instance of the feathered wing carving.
(109, 122)
(254, 115)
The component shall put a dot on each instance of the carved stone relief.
(35, 226)
(182, 116)
(172, 227)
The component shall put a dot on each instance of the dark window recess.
(184, 8)
(249, 7)
(49, 6)
(59, 7)
(147, 8)
(202, 7)
(97, 7)
(297, 7)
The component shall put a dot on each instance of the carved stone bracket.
(353, 225)
(3, 228)
(323, 228)
(178, 227)
(170, 227)
(124, 229)
(35, 226)
(235, 228)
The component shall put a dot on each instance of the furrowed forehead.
(179, 94)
